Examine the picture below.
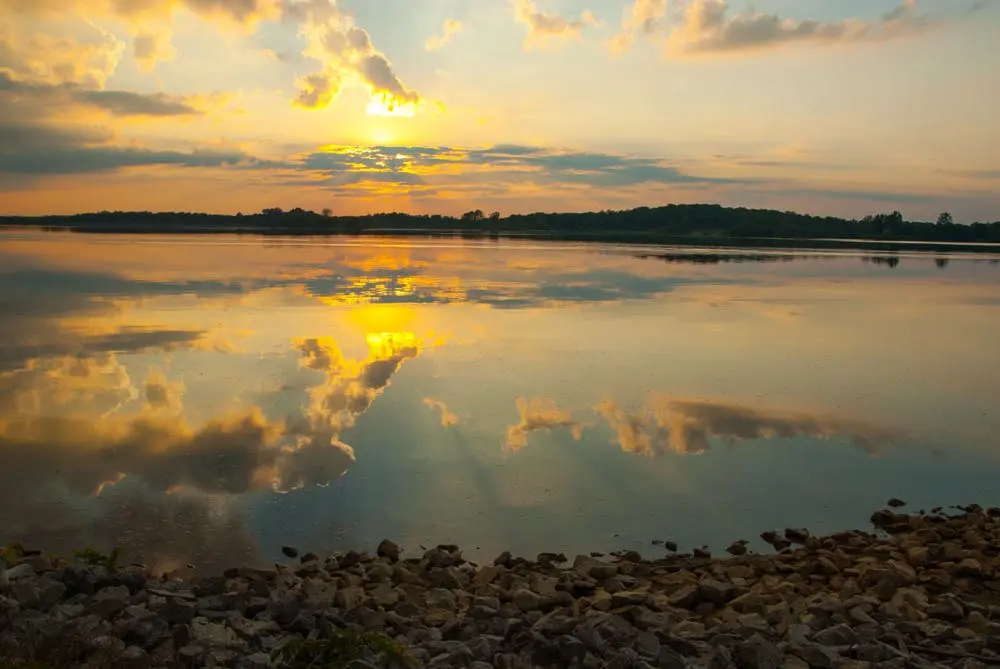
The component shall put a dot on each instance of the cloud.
(43, 59)
(686, 426)
(347, 55)
(547, 30)
(539, 414)
(349, 388)
(643, 19)
(244, 12)
(973, 174)
(43, 149)
(447, 417)
(428, 165)
(117, 103)
(707, 26)
(450, 28)
(150, 48)
(162, 395)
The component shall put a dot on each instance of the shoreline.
(629, 238)
(922, 591)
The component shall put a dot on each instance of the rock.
(896, 503)
(797, 535)
(190, 655)
(26, 593)
(685, 598)
(702, 553)
(178, 611)
(388, 549)
(23, 570)
(647, 645)
(503, 559)
(570, 649)
(603, 571)
(758, 653)
(134, 657)
(109, 601)
(737, 548)
(917, 555)
(440, 598)
(670, 546)
(526, 600)
(9, 608)
(818, 656)
(257, 661)
(837, 635)
(970, 567)
(715, 591)
(289, 552)
(876, 651)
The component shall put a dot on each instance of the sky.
(441, 106)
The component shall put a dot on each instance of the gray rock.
(440, 598)
(109, 602)
(177, 611)
(715, 591)
(647, 645)
(257, 661)
(818, 656)
(876, 651)
(26, 593)
(50, 593)
(9, 608)
(23, 570)
(685, 598)
(838, 635)
(388, 549)
(526, 600)
(759, 653)
(134, 657)
(284, 607)
(603, 571)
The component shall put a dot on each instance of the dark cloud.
(117, 103)
(972, 174)
(888, 197)
(707, 26)
(127, 103)
(410, 165)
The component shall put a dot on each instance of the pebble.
(849, 600)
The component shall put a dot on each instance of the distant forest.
(678, 223)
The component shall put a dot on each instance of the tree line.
(676, 222)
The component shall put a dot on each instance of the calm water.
(210, 399)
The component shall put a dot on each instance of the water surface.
(207, 400)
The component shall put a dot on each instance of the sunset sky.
(439, 106)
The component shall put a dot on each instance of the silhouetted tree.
(473, 216)
(945, 219)
(495, 216)
(328, 212)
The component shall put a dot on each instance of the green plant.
(98, 559)
(11, 553)
(338, 649)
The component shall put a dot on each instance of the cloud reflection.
(447, 417)
(539, 414)
(687, 426)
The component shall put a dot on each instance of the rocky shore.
(921, 590)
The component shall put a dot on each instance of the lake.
(209, 399)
